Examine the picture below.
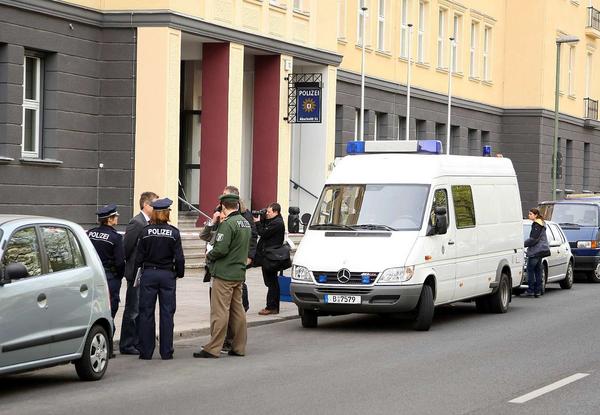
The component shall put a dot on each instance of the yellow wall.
(235, 113)
(157, 113)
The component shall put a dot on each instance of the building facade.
(103, 99)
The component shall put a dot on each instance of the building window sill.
(342, 41)
(487, 82)
(474, 79)
(5, 160)
(383, 53)
(41, 162)
(442, 70)
(256, 2)
(302, 14)
(458, 74)
(423, 65)
(368, 49)
(572, 97)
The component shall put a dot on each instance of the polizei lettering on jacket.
(99, 235)
(160, 232)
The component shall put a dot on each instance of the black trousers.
(156, 284)
(272, 283)
(114, 286)
(129, 325)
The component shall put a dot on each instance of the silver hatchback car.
(54, 300)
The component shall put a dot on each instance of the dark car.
(579, 220)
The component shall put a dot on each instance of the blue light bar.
(322, 278)
(487, 151)
(355, 147)
(365, 278)
(429, 146)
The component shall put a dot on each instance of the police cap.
(229, 197)
(162, 204)
(107, 211)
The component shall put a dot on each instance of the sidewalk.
(193, 308)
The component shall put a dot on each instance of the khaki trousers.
(226, 309)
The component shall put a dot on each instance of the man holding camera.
(271, 230)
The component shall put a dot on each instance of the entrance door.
(189, 156)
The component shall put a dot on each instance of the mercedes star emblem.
(343, 276)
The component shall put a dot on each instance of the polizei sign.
(308, 102)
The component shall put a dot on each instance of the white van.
(405, 231)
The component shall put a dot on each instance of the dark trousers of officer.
(156, 283)
(129, 325)
(272, 283)
(114, 288)
(534, 275)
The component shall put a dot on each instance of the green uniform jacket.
(229, 254)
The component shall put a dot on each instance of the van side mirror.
(305, 219)
(15, 271)
(441, 220)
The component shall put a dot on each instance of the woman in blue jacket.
(537, 248)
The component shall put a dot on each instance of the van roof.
(415, 168)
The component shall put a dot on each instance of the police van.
(400, 227)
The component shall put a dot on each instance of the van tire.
(593, 277)
(482, 305)
(309, 318)
(424, 310)
(498, 301)
(94, 360)
(567, 283)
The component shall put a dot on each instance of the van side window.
(464, 210)
(23, 248)
(61, 255)
(440, 199)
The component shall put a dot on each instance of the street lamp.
(362, 77)
(408, 82)
(559, 41)
(448, 127)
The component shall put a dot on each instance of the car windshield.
(571, 214)
(388, 207)
(526, 230)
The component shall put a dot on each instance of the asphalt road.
(467, 363)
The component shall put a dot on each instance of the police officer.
(109, 245)
(228, 260)
(160, 258)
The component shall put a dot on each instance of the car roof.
(549, 222)
(17, 220)
(582, 201)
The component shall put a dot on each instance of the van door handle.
(450, 242)
(42, 301)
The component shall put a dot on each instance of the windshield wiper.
(569, 224)
(331, 226)
(373, 226)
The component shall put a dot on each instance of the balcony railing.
(593, 18)
(591, 109)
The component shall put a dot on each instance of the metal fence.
(591, 108)
(593, 18)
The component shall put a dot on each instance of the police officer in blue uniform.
(160, 257)
(109, 246)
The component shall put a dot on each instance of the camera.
(261, 212)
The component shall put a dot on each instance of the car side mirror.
(554, 244)
(441, 220)
(15, 271)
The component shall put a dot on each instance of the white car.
(54, 300)
(558, 267)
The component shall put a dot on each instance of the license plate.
(342, 299)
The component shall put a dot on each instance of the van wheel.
(424, 315)
(544, 279)
(498, 301)
(567, 283)
(309, 318)
(94, 361)
(482, 305)
(594, 276)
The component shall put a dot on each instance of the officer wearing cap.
(228, 260)
(160, 259)
(109, 246)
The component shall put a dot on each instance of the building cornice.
(166, 18)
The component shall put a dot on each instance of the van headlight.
(587, 244)
(301, 274)
(396, 275)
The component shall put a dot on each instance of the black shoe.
(205, 355)
(226, 348)
(526, 294)
(167, 357)
(536, 295)
(234, 353)
(145, 357)
(131, 350)
(112, 355)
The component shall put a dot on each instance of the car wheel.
(424, 310)
(594, 276)
(309, 318)
(544, 279)
(567, 283)
(94, 361)
(498, 301)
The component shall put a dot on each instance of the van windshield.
(389, 207)
(573, 214)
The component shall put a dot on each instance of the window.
(440, 199)
(587, 158)
(23, 247)
(404, 29)
(381, 26)
(441, 36)
(456, 34)
(401, 128)
(421, 33)
(341, 19)
(62, 249)
(473, 50)
(588, 74)
(464, 210)
(377, 121)
(298, 5)
(31, 106)
(474, 145)
(359, 30)
(569, 165)
(571, 72)
(487, 39)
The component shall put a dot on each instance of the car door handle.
(450, 242)
(42, 301)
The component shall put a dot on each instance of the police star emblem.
(309, 105)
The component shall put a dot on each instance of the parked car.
(578, 218)
(558, 267)
(54, 301)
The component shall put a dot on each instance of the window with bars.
(32, 97)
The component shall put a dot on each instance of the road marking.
(549, 388)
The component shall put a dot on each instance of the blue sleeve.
(119, 256)
(179, 258)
